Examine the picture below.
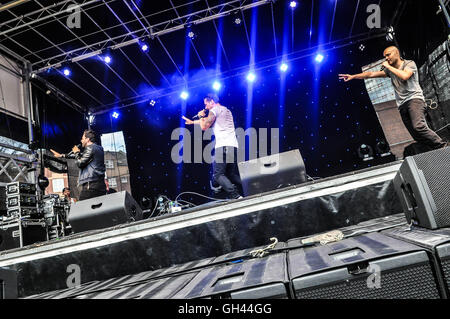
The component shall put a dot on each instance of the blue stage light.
(144, 47)
(107, 59)
(115, 115)
(251, 77)
(67, 72)
(152, 102)
(283, 67)
(293, 4)
(184, 95)
(319, 58)
(216, 86)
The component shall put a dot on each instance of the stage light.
(251, 77)
(293, 4)
(144, 47)
(319, 58)
(390, 34)
(283, 67)
(365, 152)
(237, 21)
(107, 59)
(216, 86)
(115, 115)
(66, 72)
(191, 35)
(184, 95)
(361, 47)
(152, 102)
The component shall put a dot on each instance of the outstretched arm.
(362, 76)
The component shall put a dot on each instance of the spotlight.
(91, 119)
(216, 86)
(293, 4)
(361, 47)
(251, 77)
(184, 95)
(66, 72)
(382, 149)
(107, 59)
(115, 115)
(237, 21)
(144, 47)
(152, 102)
(365, 152)
(48, 92)
(319, 58)
(283, 67)
(390, 34)
(191, 35)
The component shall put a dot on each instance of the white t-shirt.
(223, 127)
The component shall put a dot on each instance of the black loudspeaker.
(8, 284)
(104, 211)
(422, 185)
(371, 266)
(272, 172)
(437, 242)
(256, 278)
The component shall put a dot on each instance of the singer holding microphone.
(408, 95)
(220, 119)
(91, 161)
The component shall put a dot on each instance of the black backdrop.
(327, 127)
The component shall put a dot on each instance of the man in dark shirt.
(91, 161)
(408, 95)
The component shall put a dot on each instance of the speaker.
(8, 284)
(238, 278)
(372, 266)
(272, 172)
(104, 211)
(436, 242)
(422, 185)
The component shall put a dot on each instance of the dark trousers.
(225, 170)
(92, 189)
(413, 116)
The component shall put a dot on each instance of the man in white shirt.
(220, 119)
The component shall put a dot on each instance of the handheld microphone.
(71, 152)
(196, 116)
(382, 68)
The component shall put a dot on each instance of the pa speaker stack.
(422, 185)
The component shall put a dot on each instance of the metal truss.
(134, 36)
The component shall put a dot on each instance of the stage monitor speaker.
(8, 284)
(239, 278)
(370, 266)
(437, 242)
(272, 172)
(422, 185)
(104, 211)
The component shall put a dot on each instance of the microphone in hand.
(198, 115)
(72, 152)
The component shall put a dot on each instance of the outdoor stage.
(178, 247)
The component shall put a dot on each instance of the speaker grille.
(416, 282)
(436, 169)
(446, 271)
